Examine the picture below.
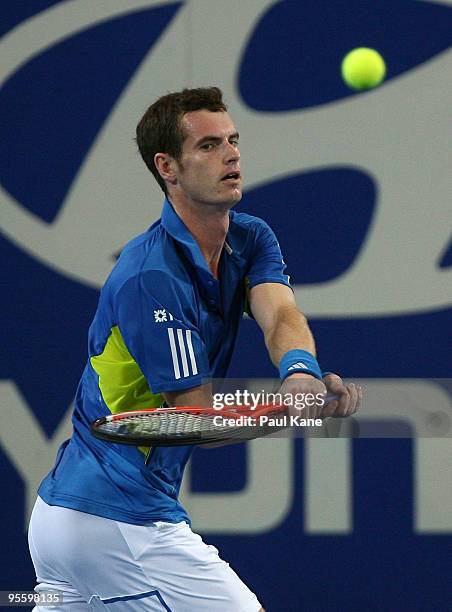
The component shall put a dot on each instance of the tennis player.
(107, 530)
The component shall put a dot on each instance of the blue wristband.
(298, 360)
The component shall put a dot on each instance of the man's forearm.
(289, 331)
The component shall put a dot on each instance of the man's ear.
(165, 165)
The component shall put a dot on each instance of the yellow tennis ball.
(363, 68)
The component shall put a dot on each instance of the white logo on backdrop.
(397, 133)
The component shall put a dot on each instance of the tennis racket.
(189, 425)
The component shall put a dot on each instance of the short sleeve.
(267, 263)
(156, 316)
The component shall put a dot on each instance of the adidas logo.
(298, 366)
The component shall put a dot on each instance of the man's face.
(208, 170)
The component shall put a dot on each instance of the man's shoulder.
(151, 250)
(140, 245)
(248, 231)
(246, 221)
(151, 254)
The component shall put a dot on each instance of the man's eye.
(207, 146)
(234, 142)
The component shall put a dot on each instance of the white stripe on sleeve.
(183, 354)
(174, 352)
(191, 352)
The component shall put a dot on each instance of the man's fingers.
(353, 398)
(360, 398)
(359, 401)
(343, 402)
(310, 388)
(334, 384)
(349, 401)
(330, 408)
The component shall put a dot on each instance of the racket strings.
(165, 425)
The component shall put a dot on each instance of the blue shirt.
(163, 323)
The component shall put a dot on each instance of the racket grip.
(331, 397)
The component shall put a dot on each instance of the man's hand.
(310, 388)
(350, 397)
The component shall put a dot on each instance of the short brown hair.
(160, 131)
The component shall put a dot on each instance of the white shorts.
(97, 563)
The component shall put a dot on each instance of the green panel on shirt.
(121, 382)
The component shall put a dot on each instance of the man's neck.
(209, 226)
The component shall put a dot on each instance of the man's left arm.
(291, 348)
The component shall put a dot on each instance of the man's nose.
(232, 153)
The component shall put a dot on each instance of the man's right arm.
(196, 397)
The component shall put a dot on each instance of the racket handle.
(331, 397)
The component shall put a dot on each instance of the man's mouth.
(231, 176)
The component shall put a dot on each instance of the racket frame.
(197, 438)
